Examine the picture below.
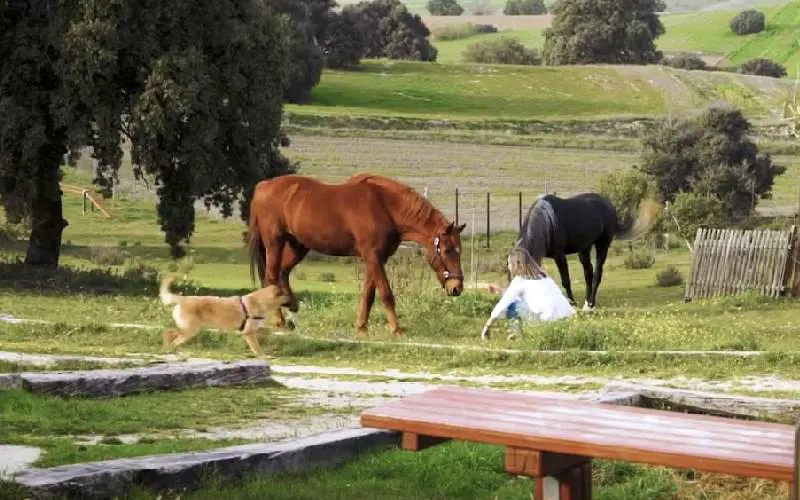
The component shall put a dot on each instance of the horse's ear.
(449, 228)
(460, 227)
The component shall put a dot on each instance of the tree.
(747, 22)
(710, 154)
(392, 32)
(524, 8)
(444, 8)
(603, 31)
(305, 54)
(343, 43)
(196, 87)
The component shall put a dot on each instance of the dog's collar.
(246, 314)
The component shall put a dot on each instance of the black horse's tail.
(258, 252)
(648, 214)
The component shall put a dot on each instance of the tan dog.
(246, 313)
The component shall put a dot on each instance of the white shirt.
(540, 299)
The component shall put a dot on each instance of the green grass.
(59, 365)
(487, 91)
(710, 32)
(461, 470)
(53, 423)
(451, 51)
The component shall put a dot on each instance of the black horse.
(556, 227)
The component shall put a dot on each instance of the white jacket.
(540, 299)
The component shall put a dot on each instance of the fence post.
(83, 199)
(796, 474)
(488, 219)
(520, 211)
(456, 206)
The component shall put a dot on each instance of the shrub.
(686, 61)
(747, 22)
(711, 153)
(524, 8)
(484, 28)
(501, 51)
(669, 276)
(327, 277)
(696, 210)
(462, 31)
(445, 8)
(107, 256)
(639, 259)
(762, 67)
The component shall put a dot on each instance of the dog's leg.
(292, 317)
(169, 337)
(251, 337)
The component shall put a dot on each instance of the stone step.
(181, 471)
(108, 383)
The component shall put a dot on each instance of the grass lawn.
(461, 470)
(634, 314)
(59, 425)
(481, 91)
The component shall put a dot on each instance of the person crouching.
(531, 296)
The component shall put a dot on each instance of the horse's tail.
(648, 214)
(258, 252)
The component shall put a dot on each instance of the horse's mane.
(538, 227)
(413, 206)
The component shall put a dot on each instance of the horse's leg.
(563, 270)
(585, 257)
(367, 299)
(293, 253)
(274, 248)
(376, 279)
(601, 249)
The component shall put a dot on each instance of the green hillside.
(703, 31)
(503, 92)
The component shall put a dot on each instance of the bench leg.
(574, 483)
(557, 476)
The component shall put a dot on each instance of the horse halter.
(448, 275)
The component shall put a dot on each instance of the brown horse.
(366, 216)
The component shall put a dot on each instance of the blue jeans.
(513, 315)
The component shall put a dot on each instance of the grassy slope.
(516, 92)
(481, 91)
(703, 31)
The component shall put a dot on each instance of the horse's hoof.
(362, 333)
(587, 307)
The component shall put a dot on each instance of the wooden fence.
(731, 261)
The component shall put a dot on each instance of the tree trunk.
(47, 221)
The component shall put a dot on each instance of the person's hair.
(520, 263)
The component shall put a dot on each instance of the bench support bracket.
(418, 442)
(558, 476)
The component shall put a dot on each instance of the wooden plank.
(633, 428)
(788, 268)
(416, 442)
(713, 444)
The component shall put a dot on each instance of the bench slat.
(702, 442)
(768, 435)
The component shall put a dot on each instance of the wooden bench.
(554, 440)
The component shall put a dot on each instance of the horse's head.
(444, 256)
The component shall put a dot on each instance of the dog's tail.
(167, 297)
